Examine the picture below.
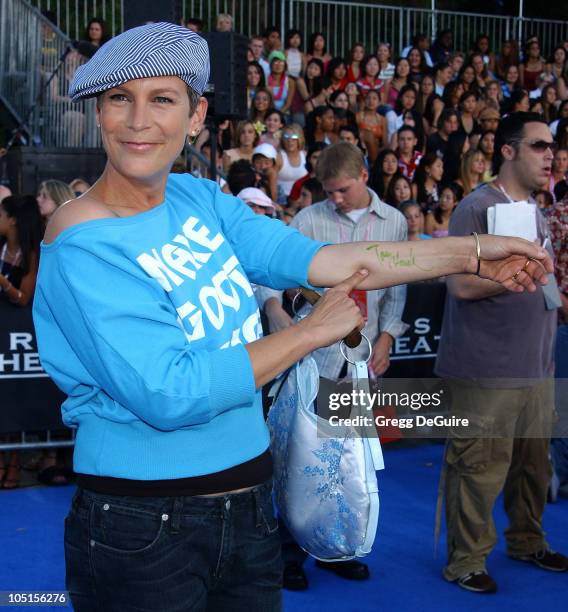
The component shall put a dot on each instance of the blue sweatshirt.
(142, 322)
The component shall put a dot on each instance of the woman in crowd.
(383, 170)
(556, 65)
(336, 73)
(400, 79)
(356, 56)
(468, 112)
(557, 184)
(291, 159)
(96, 32)
(406, 101)
(311, 192)
(398, 191)
(352, 93)
(317, 49)
(458, 145)
(295, 59)
(425, 90)
(487, 147)
(468, 78)
(532, 67)
(369, 79)
(438, 219)
(508, 56)
(418, 65)
(279, 83)
(255, 81)
(275, 122)
(432, 113)
(146, 319)
(384, 56)
(549, 103)
(51, 194)
(310, 86)
(519, 102)
(511, 82)
(472, 169)
(544, 200)
(339, 99)
(482, 74)
(561, 137)
(320, 125)
(261, 104)
(415, 220)
(493, 96)
(562, 114)
(78, 186)
(452, 94)
(427, 178)
(483, 46)
(246, 139)
(21, 231)
(372, 126)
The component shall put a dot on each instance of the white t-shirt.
(356, 214)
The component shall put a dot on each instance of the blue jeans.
(172, 554)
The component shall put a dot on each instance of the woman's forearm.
(393, 263)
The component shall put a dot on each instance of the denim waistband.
(84, 498)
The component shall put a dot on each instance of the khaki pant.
(506, 449)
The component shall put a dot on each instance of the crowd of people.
(408, 140)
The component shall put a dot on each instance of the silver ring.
(342, 344)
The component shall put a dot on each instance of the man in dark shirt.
(496, 351)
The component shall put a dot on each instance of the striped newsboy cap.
(152, 50)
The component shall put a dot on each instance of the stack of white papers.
(513, 219)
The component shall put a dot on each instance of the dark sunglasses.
(540, 146)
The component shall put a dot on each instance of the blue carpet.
(405, 574)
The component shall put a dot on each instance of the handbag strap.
(361, 386)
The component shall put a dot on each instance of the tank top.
(294, 61)
(289, 174)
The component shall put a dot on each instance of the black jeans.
(172, 554)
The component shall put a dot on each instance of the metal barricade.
(34, 441)
(344, 21)
(37, 64)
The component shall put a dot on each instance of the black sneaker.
(547, 559)
(351, 570)
(294, 578)
(478, 582)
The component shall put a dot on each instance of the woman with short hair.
(146, 319)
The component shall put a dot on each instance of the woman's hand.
(335, 315)
(515, 263)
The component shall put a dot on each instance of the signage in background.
(414, 354)
(29, 400)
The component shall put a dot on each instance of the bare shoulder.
(74, 212)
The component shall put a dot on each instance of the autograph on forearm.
(394, 260)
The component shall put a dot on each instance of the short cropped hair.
(338, 159)
(510, 132)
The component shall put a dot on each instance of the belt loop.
(257, 507)
(77, 498)
(177, 509)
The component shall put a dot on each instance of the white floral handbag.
(325, 479)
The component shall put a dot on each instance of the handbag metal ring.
(294, 302)
(342, 345)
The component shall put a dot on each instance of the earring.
(190, 140)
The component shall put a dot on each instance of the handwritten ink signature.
(394, 260)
